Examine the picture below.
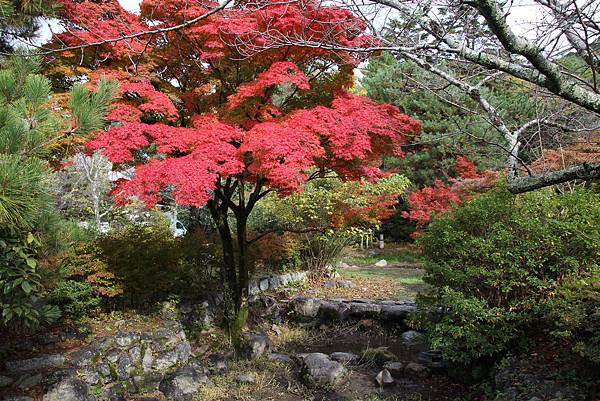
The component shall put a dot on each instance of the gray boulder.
(219, 362)
(253, 289)
(112, 355)
(345, 284)
(381, 263)
(347, 358)
(285, 279)
(246, 378)
(308, 307)
(273, 283)
(41, 362)
(124, 339)
(280, 358)
(396, 313)
(319, 370)
(69, 390)
(90, 376)
(57, 376)
(416, 370)
(165, 360)
(183, 384)
(432, 359)
(334, 310)
(147, 360)
(395, 368)
(263, 284)
(258, 344)
(82, 357)
(384, 378)
(411, 338)
(28, 381)
(124, 367)
(366, 310)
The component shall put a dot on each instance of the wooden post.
(381, 244)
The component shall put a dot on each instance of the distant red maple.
(207, 121)
(426, 202)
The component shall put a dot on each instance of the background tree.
(20, 22)
(83, 186)
(322, 219)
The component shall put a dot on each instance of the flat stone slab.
(347, 358)
(341, 309)
(38, 363)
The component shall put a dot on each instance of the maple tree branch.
(137, 34)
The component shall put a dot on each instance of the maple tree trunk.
(234, 273)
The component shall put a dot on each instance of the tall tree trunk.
(234, 272)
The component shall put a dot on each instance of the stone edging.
(273, 282)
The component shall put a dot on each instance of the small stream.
(358, 342)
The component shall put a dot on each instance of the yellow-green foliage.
(324, 203)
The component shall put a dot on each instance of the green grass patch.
(405, 257)
(401, 275)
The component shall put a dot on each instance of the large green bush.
(505, 271)
(151, 265)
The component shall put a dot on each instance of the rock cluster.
(394, 311)
(273, 282)
(207, 311)
(128, 362)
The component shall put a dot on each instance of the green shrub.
(573, 315)
(501, 268)
(151, 265)
(76, 299)
(84, 263)
(20, 285)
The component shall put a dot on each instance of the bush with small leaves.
(504, 271)
(76, 299)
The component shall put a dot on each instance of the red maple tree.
(208, 124)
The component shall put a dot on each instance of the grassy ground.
(394, 256)
(402, 277)
(384, 283)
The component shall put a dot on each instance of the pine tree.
(19, 21)
(28, 130)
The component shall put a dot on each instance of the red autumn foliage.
(227, 125)
(277, 74)
(429, 201)
(586, 150)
